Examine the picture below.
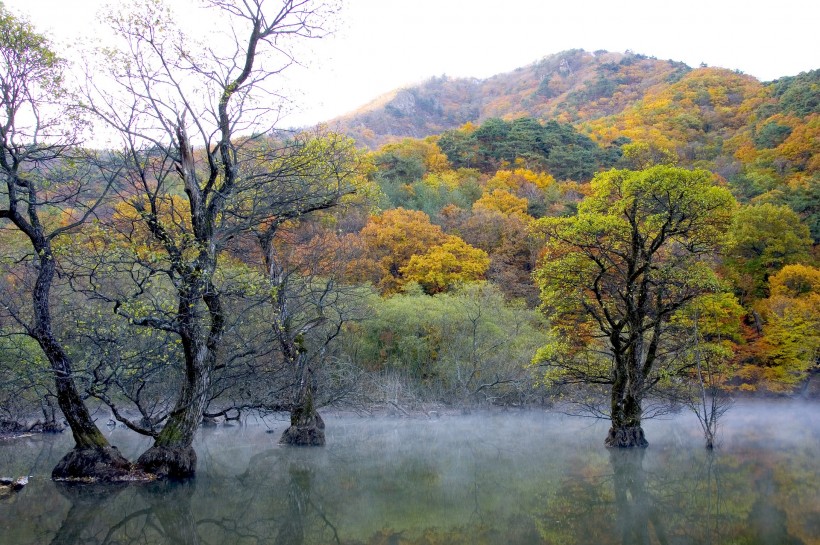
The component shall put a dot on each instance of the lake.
(497, 477)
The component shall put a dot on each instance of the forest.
(618, 236)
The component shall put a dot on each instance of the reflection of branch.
(128, 518)
(324, 518)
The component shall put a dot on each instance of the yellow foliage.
(501, 201)
(515, 180)
(446, 265)
(426, 150)
(388, 242)
(790, 344)
(795, 281)
(802, 146)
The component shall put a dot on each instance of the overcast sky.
(380, 45)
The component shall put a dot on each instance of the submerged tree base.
(626, 437)
(309, 434)
(97, 465)
(169, 462)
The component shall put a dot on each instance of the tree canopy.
(613, 276)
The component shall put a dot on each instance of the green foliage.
(469, 343)
(613, 275)
(762, 239)
(771, 135)
(555, 147)
(804, 198)
(799, 94)
(640, 155)
(24, 374)
(431, 193)
(27, 61)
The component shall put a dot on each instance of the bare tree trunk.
(92, 458)
(306, 425)
(172, 454)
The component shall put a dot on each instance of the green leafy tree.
(465, 345)
(613, 276)
(761, 240)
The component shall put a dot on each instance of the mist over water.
(506, 477)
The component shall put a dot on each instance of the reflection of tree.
(292, 532)
(636, 509)
(704, 513)
(615, 501)
(171, 505)
(768, 522)
(87, 501)
(263, 505)
(299, 507)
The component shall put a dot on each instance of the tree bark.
(172, 454)
(306, 426)
(626, 430)
(92, 458)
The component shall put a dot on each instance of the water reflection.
(87, 503)
(292, 530)
(766, 521)
(169, 503)
(638, 517)
(456, 480)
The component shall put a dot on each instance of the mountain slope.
(570, 86)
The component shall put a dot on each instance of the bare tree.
(195, 120)
(39, 179)
(710, 400)
(305, 297)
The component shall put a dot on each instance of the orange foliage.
(387, 243)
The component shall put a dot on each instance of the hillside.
(763, 138)
(570, 86)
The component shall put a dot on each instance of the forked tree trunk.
(172, 455)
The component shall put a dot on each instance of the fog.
(507, 477)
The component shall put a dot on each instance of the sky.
(381, 45)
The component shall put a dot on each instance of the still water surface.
(503, 478)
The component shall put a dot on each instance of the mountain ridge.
(538, 90)
(573, 86)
